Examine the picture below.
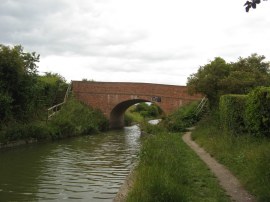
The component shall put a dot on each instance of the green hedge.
(246, 113)
(232, 110)
(257, 116)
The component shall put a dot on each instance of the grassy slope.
(246, 156)
(169, 171)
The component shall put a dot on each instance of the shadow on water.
(89, 168)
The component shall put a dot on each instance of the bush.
(182, 118)
(100, 121)
(232, 110)
(257, 114)
(75, 118)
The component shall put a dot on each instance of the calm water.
(90, 168)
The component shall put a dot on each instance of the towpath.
(226, 179)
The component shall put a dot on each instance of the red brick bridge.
(113, 98)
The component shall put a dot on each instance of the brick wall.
(107, 95)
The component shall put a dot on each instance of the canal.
(89, 168)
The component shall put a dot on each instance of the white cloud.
(125, 40)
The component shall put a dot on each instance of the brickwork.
(113, 98)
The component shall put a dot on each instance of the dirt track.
(226, 179)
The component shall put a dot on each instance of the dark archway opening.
(117, 114)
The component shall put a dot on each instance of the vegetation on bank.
(182, 118)
(25, 97)
(236, 130)
(74, 119)
(178, 121)
(169, 171)
(247, 156)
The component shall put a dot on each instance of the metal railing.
(200, 106)
(56, 108)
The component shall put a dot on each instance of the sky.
(149, 41)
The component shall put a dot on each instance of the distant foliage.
(258, 111)
(141, 112)
(148, 111)
(128, 119)
(232, 112)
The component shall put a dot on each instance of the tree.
(18, 76)
(207, 79)
(252, 4)
(54, 87)
(218, 77)
(246, 74)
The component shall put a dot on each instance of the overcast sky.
(153, 41)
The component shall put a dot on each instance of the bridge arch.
(117, 113)
(113, 98)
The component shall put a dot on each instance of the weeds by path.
(246, 156)
(169, 171)
(226, 179)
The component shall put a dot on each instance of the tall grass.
(248, 157)
(169, 171)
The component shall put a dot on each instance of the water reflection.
(90, 168)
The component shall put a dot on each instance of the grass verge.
(248, 157)
(169, 171)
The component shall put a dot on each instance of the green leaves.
(218, 77)
(208, 79)
(181, 119)
(232, 113)
(18, 72)
(258, 111)
(246, 113)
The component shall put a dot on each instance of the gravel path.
(226, 179)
